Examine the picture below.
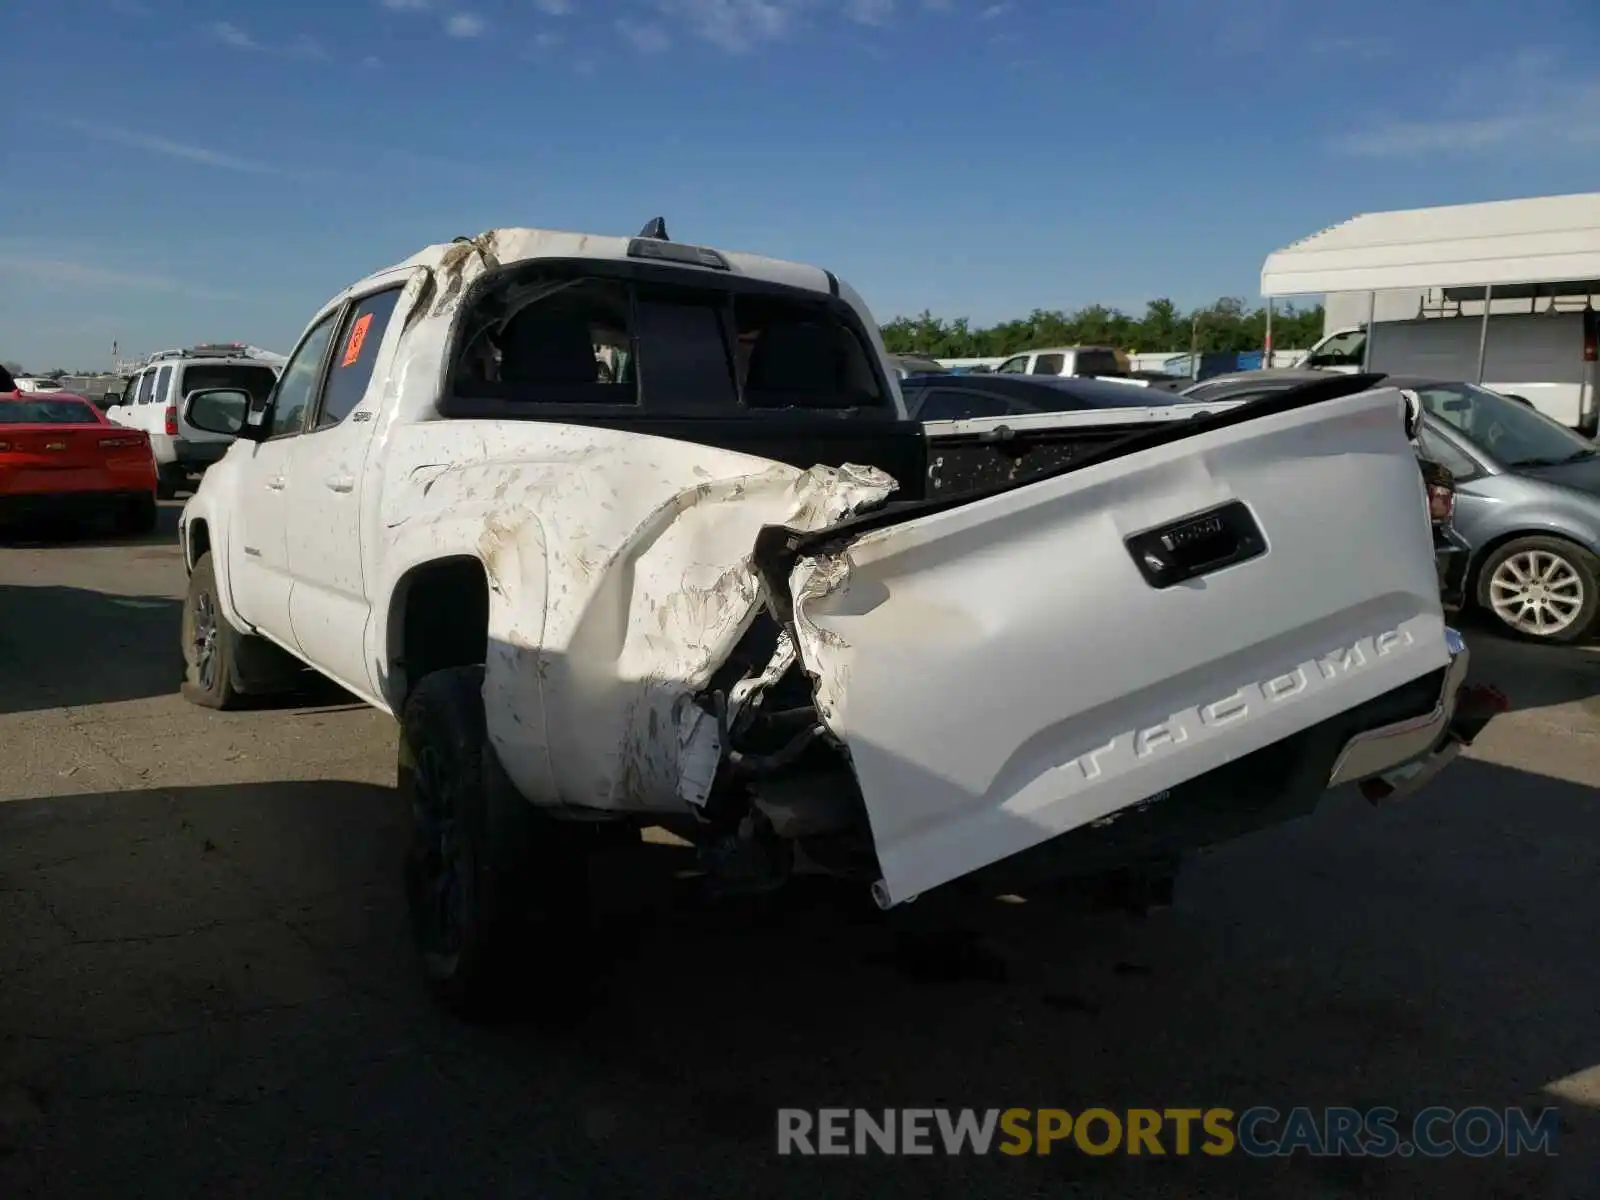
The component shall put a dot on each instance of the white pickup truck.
(727, 589)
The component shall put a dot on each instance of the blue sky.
(186, 170)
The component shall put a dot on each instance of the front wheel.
(497, 891)
(210, 644)
(1541, 588)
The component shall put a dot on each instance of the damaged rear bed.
(799, 670)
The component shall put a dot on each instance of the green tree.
(1224, 325)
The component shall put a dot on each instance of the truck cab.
(1101, 362)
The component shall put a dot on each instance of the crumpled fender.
(620, 579)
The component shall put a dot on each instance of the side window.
(1342, 350)
(297, 387)
(1431, 446)
(1013, 366)
(159, 394)
(146, 382)
(796, 355)
(550, 351)
(1097, 362)
(1048, 364)
(948, 404)
(358, 351)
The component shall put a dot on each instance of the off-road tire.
(497, 891)
(209, 661)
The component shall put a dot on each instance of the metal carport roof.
(1546, 238)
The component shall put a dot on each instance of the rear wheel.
(169, 478)
(498, 892)
(1542, 588)
(210, 644)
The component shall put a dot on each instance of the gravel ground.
(206, 987)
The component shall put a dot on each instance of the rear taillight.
(172, 420)
(1591, 336)
(1441, 502)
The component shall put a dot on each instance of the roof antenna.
(656, 230)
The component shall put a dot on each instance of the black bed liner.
(1055, 451)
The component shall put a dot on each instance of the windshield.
(203, 377)
(1514, 434)
(47, 412)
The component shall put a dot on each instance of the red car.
(60, 457)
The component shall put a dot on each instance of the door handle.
(276, 483)
(340, 483)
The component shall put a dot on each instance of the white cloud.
(734, 25)
(304, 46)
(994, 11)
(869, 12)
(465, 25)
(156, 144)
(544, 41)
(646, 38)
(1535, 107)
(307, 47)
(232, 35)
(1364, 48)
(48, 269)
(406, 5)
(371, 61)
(554, 8)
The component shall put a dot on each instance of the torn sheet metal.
(620, 579)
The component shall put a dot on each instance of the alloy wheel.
(1537, 592)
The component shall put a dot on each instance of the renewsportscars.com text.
(1258, 1132)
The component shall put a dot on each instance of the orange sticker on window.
(358, 338)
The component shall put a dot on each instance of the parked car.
(1066, 360)
(915, 364)
(738, 598)
(949, 397)
(1527, 507)
(60, 459)
(29, 383)
(151, 401)
(1526, 521)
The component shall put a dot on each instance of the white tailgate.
(1002, 672)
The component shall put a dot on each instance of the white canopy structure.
(1546, 241)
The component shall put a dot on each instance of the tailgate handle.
(1197, 545)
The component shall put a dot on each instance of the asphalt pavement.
(207, 989)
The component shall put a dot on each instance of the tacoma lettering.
(1140, 745)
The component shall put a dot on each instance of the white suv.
(153, 401)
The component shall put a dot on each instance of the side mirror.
(218, 410)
